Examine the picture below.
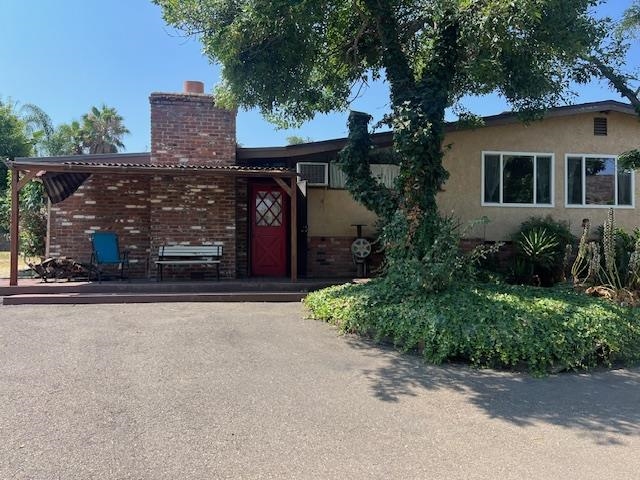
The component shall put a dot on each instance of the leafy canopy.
(631, 20)
(14, 141)
(294, 58)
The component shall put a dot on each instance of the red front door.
(268, 231)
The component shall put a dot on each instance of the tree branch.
(617, 80)
(394, 59)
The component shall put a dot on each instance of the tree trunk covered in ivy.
(354, 161)
(418, 128)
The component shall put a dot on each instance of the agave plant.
(539, 247)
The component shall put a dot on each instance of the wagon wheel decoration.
(361, 248)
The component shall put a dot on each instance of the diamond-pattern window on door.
(268, 209)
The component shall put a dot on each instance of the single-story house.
(284, 211)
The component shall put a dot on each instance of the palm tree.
(67, 139)
(103, 129)
(38, 126)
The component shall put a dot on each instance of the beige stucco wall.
(559, 136)
(331, 212)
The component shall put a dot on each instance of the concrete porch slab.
(113, 298)
(34, 292)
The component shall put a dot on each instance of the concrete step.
(137, 287)
(102, 298)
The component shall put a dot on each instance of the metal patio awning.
(62, 176)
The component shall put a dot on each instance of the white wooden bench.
(189, 255)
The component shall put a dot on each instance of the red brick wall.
(188, 129)
(194, 210)
(242, 228)
(117, 203)
(331, 257)
(149, 211)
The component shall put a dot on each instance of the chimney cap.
(192, 86)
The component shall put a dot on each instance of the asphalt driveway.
(197, 391)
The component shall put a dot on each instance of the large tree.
(67, 139)
(14, 140)
(294, 58)
(100, 131)
(28, 130)
(19, 133)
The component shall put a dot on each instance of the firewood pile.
(61, 267)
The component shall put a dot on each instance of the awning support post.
(294, 230)
(292, 191)
(14, 237)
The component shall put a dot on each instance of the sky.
(68, 55)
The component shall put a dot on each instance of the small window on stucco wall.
(385, 173)
(600, 126)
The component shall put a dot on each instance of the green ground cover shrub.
(489, 325)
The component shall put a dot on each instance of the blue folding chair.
(105, 251)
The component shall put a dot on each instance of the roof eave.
(48, 166)
(385, 139)
(139, 157)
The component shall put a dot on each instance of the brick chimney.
(188, 129)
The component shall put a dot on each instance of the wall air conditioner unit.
(315, 173)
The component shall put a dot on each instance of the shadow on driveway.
(602, 405)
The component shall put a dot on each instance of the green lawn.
(4, 264)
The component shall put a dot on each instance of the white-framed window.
(596, 181)
(517, 179)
